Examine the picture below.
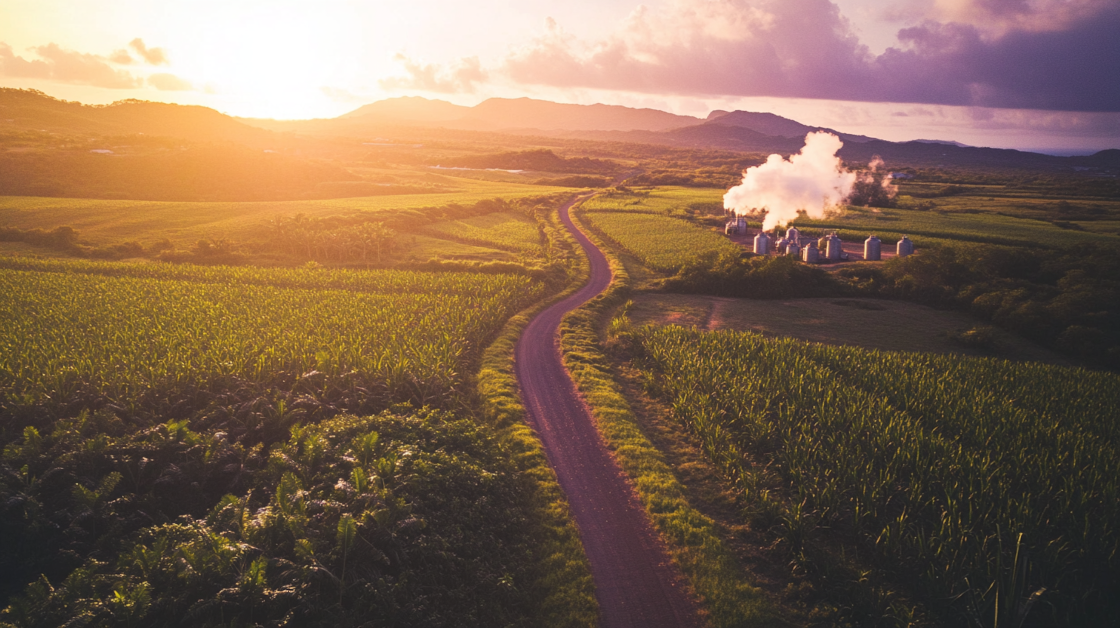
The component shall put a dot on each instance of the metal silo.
(780, 245)
(871, 249)
(834, 248)
(762, 243)
(793, 235)
(811, 254)
(905, 247)
(792, 249)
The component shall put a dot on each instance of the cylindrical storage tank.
(905, 247)
(793, 235)
(793, 249)
(781, 244)
(834, 248)
(810, 254)
(872, 249)
(762, 243)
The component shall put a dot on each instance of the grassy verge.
(563, 586)
(692, 538)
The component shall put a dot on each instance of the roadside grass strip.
(564, 585)
(692, 538)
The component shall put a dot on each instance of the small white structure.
(872, 249)
(762, 243)
(811, 254)
(793, 248)
(904, 247)
(780, 246)
(793, 235)
(835, 248)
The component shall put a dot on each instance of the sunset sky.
(1031, 74)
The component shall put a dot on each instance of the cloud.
(434, 78)
(153, 56)
(169, 83)
(66, 66)
(121, 57)
(1040, 54)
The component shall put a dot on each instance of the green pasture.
(501, 230)
(660, 242)
(657, 200)
(109, 221)
(982, 227)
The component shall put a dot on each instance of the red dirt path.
(635, 582)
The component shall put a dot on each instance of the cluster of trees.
(1068, 299)
(750, 276)
(66, 239)
(541, 160)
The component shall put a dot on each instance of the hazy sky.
(1034, 74)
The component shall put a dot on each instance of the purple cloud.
(806, 49)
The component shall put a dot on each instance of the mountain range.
(727, 130)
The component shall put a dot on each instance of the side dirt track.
(636, 584)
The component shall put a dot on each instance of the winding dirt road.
(635, 582)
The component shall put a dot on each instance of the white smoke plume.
(813, 180)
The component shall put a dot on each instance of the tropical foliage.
(986, 482)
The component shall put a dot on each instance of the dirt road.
(635, 583)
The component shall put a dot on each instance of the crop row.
(380, 281)
(502, 230)
(938, 463)
(131, 337)
(660, 242)
(659, 200)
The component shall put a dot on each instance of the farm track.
(636, 583)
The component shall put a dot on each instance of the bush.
(762, 277)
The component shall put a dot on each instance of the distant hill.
(33, 110)
(521, 115)
(774, 125)
(409, 109)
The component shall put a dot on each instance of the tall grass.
(937, 463)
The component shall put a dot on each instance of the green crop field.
(181, 433)
(660, 242)
(926, 227)
(502, 230)
(658, 200)
(403, 334)
(103, 221)
(984, 481)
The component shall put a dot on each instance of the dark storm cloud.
(806, 49)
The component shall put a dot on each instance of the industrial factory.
(824, 250)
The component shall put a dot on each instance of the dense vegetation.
(1068, 299)
(729, 274)
(136, 395)
(399, 519)
(542, 160)
(990, 487)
